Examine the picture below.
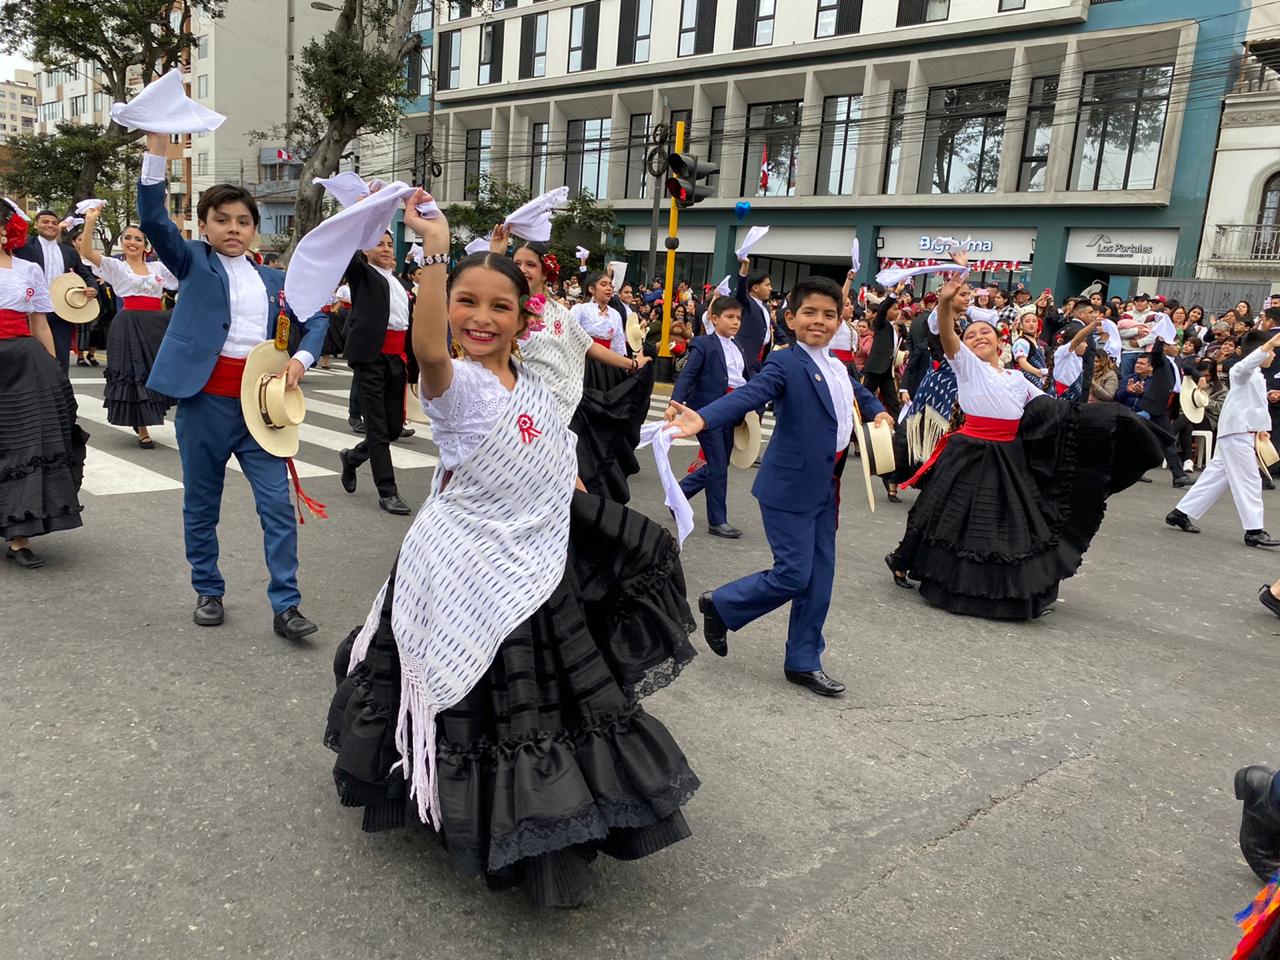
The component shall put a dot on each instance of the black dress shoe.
(25, 558)
(1268, 599)
(406, 432)
(1144, 479)
(1176, 518)
(292, 625)
(1259, 820)
(1260, 538)
(899, 576)
(348, 472)
(817, 682)
(724, 530)
(1180, 482)
(393, 504)
(356, 425)
(208, 612)
(713, 628)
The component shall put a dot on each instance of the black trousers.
(381, 388)
(883, 385)
(63, 333)
(1172, 456)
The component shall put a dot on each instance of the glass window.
(486, 53)
(1120, 128)
(715, 147)
(587, 157)
(540, 46)
(893, 149)
(826, 19)
(1007, 5)
(202, 85)
(644, 24)
(1038, 135)
(423, 16)
(452, 41)
(637, 146)
(99, 101)
(425, 74)
(688, 27)
(764, 22)
(772, 136)
(202, 164)
(1269, 213)
(479, 160)
(963, 135)
(912, 13)
(577, 31)
(838, 147)
(538, 166)
(202, 47)
(175, 167)
(79, 105)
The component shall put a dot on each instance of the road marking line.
(106, 475)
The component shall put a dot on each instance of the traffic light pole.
(664, 346)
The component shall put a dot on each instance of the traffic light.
(684, 185)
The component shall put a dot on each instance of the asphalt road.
(984, 790)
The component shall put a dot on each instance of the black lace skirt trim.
(550, 759)
(615, 404)
(132, 345)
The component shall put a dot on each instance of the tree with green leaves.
(123, 40)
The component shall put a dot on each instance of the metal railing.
(1256, 77)
(1246, 243)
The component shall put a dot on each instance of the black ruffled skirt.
(550, 759)
(998, 526)
(131, 352)
(42, 448)
(615, 404)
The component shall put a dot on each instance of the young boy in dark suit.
(714, 366)
(813, 402)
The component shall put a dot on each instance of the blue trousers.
(713, 476)
(210, 430)
(804, 567)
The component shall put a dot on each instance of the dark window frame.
(1147, 73)
(1042, 104)
(539, 138)
(915, 13)
(847, 127)
(478, 161)
(937, 115)
(578, 145)
(750, 168)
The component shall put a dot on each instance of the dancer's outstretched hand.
(688, 423)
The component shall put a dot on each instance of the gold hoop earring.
(515, 349)
(457, 350)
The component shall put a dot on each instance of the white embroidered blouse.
(126, 283)
(985, 391)
(23, 288)
(465, 414)
(602, 324)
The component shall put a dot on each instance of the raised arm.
(1081, 339)
(153, 214)
(431, 310)
(85, 244)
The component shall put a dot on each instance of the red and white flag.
(764, 170)
(283, 155)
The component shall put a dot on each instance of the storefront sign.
(1122, 246)
(931, 243)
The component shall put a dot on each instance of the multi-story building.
(242, 66)
(1061, 141)
(18, 102)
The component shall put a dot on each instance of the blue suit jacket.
(799, 461)
(755, 324)
(705, 377)
(202, 315)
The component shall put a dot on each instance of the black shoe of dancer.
(1176, 518)
(899, 578)
(1268, 599)
(25, 558)
(816, 681)
(713, 628)
(1259, 820)
(209, 612)
(348, 472)
(292, 625)
(394, 505)
(1183, 481)
(1260, 538)
(356, 425)
(724, 530)
(406, 432)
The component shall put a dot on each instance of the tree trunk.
(323, 161)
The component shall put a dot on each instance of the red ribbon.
(314, 506)
(980, 428)
(527, 430)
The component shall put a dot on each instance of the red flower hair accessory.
(533, 308)
(15, 232)
(551, 268)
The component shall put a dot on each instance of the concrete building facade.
(19, 102)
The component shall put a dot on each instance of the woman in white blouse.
(1010, 500)
(136, 330)
(41, 447)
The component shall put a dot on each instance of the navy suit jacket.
(202, 315)
(755, 324)
(705, 377)
(795, 474)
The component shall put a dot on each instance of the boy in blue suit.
(813, 401)
(714, 366)
(226, 306)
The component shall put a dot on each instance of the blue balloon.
(742, 208)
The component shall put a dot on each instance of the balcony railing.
(1243, 243)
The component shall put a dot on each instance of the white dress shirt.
(840, 388)
(732, 362)
(248, 307)
(53, 263)
(1245, 409)
(768, 325)
(398, 297)
(1067, 365)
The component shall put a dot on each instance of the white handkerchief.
(722, 287)
(1112, 346)
(478, 245)
(856, 259)
(164, 107)
(346, 187)
(415, 254)
(429, 210)
(17, 209)
(533, 220)
(84, 206)
(582, 253)
(617, 273)
(753, 237)
(322, 256)
(70, 222)
(1163, 328)
(987, 316)
(658, 434)
(893, 276)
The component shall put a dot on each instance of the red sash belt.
(393, 342)
(606, 342)
(1060, 387)
(846, 356)
(13, 324)
(143, 303)
(226, 377)
(980, 428)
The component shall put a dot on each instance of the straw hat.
(271, 412)
(1193, 400)
(1267, 455)
(72, 300)
(875, 441)
(746, 441)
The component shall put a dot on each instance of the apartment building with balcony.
(1062, 141)
(18, 105)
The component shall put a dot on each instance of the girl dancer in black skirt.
(136, 331)
(1012, 497)
(493, 691)
(41, 447)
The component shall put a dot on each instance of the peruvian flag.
(283, 155)
(764, 169)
